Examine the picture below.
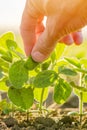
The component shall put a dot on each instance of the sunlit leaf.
(3, 63)
(60, 50)
(1, 73)
(85, 79)
(83, 89)
(62, 91)
(53, 56)
(12, 45)
(21, 97)
(38, 92)
(5, 55)
(3, 86)
(30, 64)
(75, 62)
(18, 74)
(45, 79)
(84, 62)
(84, 95)
(67, 71)
(4, 38)
(45, 65)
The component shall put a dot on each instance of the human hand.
(63, 17)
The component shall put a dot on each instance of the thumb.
(43, 47)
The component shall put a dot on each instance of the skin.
(65, 18)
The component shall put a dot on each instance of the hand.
(63, 18)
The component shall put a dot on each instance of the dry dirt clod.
(10, 121)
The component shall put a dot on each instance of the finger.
(77, 37)
(27, 28)
(68, 40)
(39, 29)
(44, 46)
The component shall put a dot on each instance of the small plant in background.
(77, 67)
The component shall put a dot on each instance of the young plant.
(21, 77)
(26, 81)
(77, 66)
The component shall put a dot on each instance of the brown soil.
(56, 120)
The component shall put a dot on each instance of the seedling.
(27, 81)
(80, 89)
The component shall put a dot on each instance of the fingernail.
(38, 57)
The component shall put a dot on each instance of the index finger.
(27, 28)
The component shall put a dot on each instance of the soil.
(55, 120)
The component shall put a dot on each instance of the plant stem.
(41, 99)
(27, 113)
(12, 113)
(81, 98)
(81, 106)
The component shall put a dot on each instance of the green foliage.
(66, 71)
(84, 93)
(38, 92)
(62, 91)
(45, 79)
(30, 64)
(12, 45)
(4, 38)
(6, 55)
(25, 80)
(85, 79)
(18, 74)
(45, 65)
(21, 97)
(1, 74)
(3, 86)
(5, 107)
(73, 61)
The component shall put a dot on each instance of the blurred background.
(10, 18)
(10, 14)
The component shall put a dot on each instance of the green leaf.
(83, 62)
(3, 86)
(77, 92)
(84, 71)
(45, 65)
(66, 71)
(18, 74)
(38, 92)
(61, 62)
(62, 91)
(53, 56)
(21, 97)
(45, 79)
(12, 45)
(60, 50)
(74, 62)
(5, 55)
(83, 89)
(1, 74)
(30, 64)
(85, 79)
(5, 37)
(3, 63)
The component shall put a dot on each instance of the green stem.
(12, 113)
(27, 113)
(81, 103)
(81, 106)
(81, 99)
(41, 100)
